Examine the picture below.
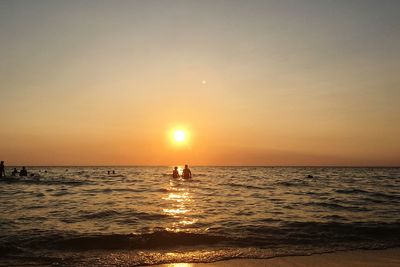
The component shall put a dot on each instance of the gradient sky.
(301, 82)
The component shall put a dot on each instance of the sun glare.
(179, 136)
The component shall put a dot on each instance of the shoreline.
(389, 257)
(355, 258)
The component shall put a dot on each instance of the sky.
(300, 82)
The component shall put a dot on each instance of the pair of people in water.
(22, 172)
(186, 173)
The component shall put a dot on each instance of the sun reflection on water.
(188, 222)
(179, 265)
(178, 197)
(179, 206)
(175, 211)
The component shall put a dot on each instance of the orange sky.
(253, 83)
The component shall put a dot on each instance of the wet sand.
(358, 258)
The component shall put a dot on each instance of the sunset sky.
(301, 82)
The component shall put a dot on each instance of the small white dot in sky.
(203, 81)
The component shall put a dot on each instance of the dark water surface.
(141, 215)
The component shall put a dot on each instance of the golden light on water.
(178, 197)
(179, 207)
(175, 211)
(188, 222)
(179, 265)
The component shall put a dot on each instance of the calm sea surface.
(140, 215)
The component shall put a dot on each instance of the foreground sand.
(358, 258)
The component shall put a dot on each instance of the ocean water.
(140, 215)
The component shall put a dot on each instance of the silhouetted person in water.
(186, 173)
(23, 172)
(14, 172)
(108, 172)
(113, 172)
(2, 171)
(175, 173)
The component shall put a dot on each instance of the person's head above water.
(186, 166)
(2, 162)
(23, 167)
(175, 168)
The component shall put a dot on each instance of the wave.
(313, 234)
(294, 182)
(351, 191)
(44, 181)
(372, 196)
(156, 240)
(245, 186)
(380, 195)
(336, 206)
(122, 216)
(7, 249)
(100, 214)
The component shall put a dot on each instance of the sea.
(85, 216)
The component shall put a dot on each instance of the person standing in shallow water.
(186, 173)
(175, 173)
(2, 171)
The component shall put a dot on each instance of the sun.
(179, 136)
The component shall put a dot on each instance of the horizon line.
(238, 166)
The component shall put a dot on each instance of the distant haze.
(252, 82)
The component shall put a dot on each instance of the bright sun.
(179, 136)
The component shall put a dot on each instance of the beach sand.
(358, 258)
